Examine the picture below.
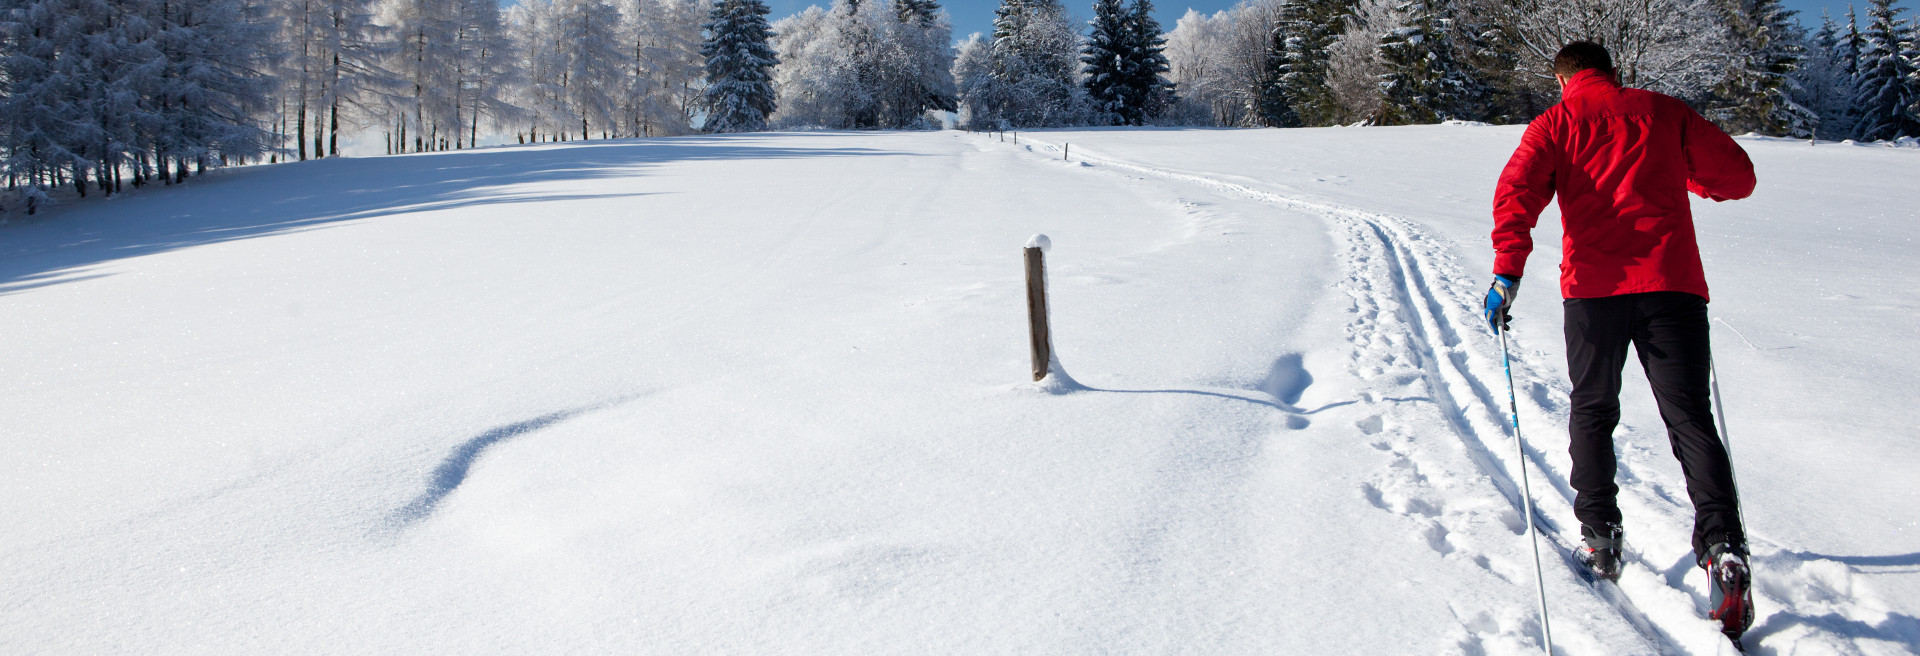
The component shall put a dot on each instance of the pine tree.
(1754, 94)
(1109, 66)
(1821, 84)
(1886, 88)
(1155, 92)
(923, 13)
(1424, 82)
(1911, 52)
(1309, 29)
(1126, 62)
(1850, 59)
(1273, 104)
(739, 95)
(1491, 54)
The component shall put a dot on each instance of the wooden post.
(1037, 331)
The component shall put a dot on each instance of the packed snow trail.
(1661, 601)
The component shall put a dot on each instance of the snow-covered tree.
(1754, 95)
(1302, 56)
(543, 63)
(1125, 60)
(302, 22)
(1514, 94)
(1248, 60)
(664, 78)
(1887, 89)
(923, 38)
(96, 89)
(483, 69)
(587, 33)
(1822, 84)
(1677, 47)
(740, 93)
(863, 65)
(1108, 65)
(1197, 67)
(973, 81)
(53, 68)
(1423, 81)
(1033, 79)
(1354, 66)
(812, 79)
(423, 60)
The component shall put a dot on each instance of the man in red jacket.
(1622, 162)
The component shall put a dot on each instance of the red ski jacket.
(1622, 161)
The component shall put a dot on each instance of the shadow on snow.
(65, 243)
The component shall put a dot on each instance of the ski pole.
(1726, 443)
(1526, 493)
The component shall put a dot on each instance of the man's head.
(1581, 56)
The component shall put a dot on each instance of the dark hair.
(1582, 55)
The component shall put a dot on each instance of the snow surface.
(765, 394)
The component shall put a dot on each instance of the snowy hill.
(765, 394)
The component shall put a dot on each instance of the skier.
(1622, 162)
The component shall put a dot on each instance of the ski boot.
(1601, 551)
(1728, 586)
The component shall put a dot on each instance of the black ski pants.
(1669, 332)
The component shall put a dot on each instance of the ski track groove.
(1455, 389)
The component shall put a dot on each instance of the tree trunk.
(333, 133)
(300, 136)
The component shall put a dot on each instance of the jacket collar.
(1588, 81)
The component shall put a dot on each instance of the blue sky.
(977, 15)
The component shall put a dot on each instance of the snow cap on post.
(1041, 242)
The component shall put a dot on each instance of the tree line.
(95, 94)
(1746, 64)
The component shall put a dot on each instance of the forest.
(97, 94)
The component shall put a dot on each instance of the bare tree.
(1665, 45)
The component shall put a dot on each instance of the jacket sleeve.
(1717, 167)
(1525, 188)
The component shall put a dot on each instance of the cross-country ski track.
(1412, 306)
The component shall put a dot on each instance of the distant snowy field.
(766, 394)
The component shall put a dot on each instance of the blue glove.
(1499, 299)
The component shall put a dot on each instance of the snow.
(1041, 242)
(767, 393)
